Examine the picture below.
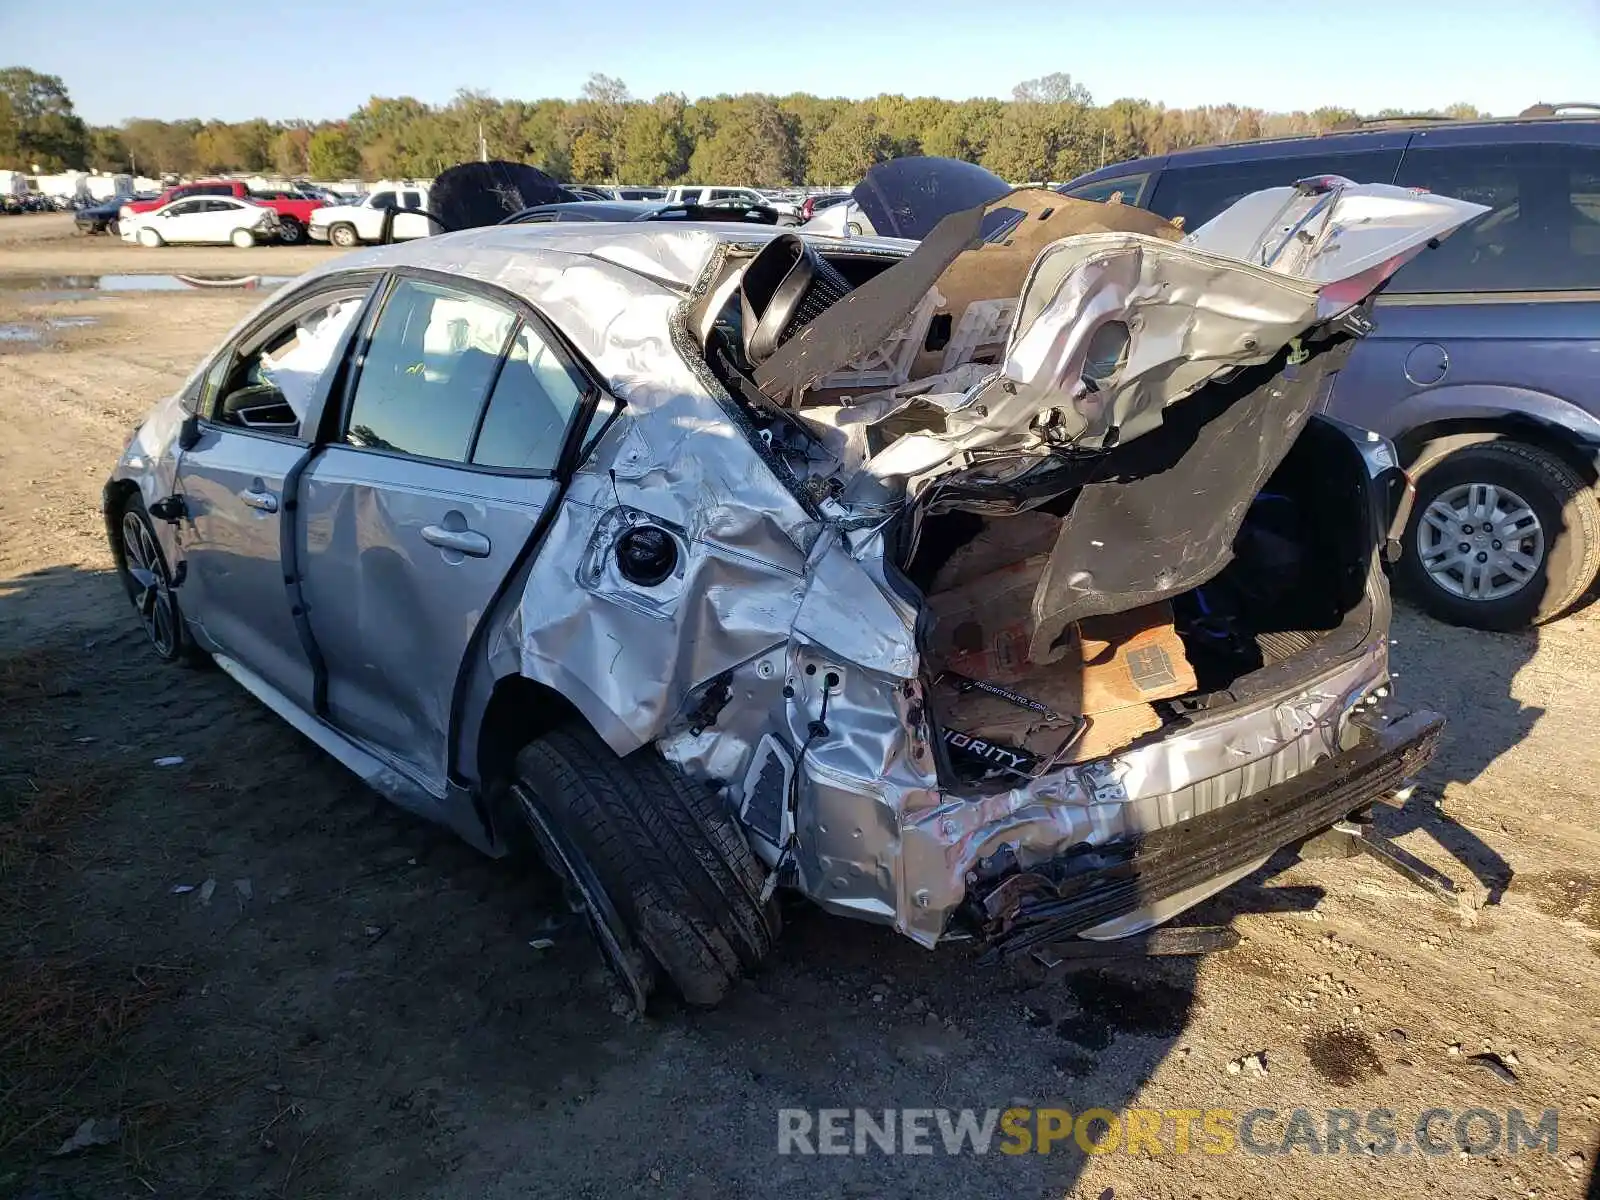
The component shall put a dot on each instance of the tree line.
(1050, 129)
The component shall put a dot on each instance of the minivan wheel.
(1502, 535)
(663, 872)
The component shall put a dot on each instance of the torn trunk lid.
(1091, 359)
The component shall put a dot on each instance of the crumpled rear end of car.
(1022, 590)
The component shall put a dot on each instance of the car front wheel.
(290, 231)
(148, 582)
(343, 236)
(1502, 535)
(149, 237)
(657, 862)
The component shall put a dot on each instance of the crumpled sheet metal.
(1190, 315)
(1112, 799)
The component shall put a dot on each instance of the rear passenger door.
(1508, 304)
(409, 225)
(433, 480)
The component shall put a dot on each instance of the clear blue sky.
(233, 60)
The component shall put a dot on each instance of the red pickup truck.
(294, 211)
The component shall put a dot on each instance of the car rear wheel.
(660, 867)
(145, 577)
(343, 236)
(149, 237)
(290, 231)
(243, 239)
(1502, 535)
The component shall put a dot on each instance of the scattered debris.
(1453, 1049)
(95, 1131)
(244, 889)
(207, 890)
(171, 760)
(1495, 1065)
(1397, 1035)
(182, 889)
(1255, 1064)
(541, 943)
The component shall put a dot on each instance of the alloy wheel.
(148, 588)
(1480, 541)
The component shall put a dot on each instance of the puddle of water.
(78, 287)
(34, 335)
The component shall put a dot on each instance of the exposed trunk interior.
(1292, 601)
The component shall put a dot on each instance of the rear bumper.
(1093, 886)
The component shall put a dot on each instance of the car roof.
(670, 253)
(1380, 134)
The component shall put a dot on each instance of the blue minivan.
(1483, 365)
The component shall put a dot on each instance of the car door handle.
(265, 501)
(464, 541)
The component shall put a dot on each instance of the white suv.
(352, 224)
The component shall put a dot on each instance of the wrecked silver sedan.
(995, 580)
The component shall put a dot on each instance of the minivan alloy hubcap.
(151, 596)
(1480, 541)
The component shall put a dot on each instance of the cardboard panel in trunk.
(1109, 673)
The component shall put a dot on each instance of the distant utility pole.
(1102, 147)
(483, 146)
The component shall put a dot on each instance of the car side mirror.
(189, 432)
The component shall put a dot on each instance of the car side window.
(383, 200)
(1542, 230)
(271, 387)
(185, 207)
(1198, 193)
(1131, 188)
(412, 199)
(530, 409)
(432, 358)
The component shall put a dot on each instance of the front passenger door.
(422, 502)
(255, 403)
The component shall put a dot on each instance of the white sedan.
(203, 219)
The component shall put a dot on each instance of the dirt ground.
(349, 1003)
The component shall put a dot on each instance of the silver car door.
(415, 513)
(256, 397)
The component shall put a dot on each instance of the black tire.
(290, 231)
(147, 579)
(1569, 520)
(672, 864)
(344, 235)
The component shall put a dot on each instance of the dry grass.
(30, 677)
(64, 1013)
(60, 1022)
